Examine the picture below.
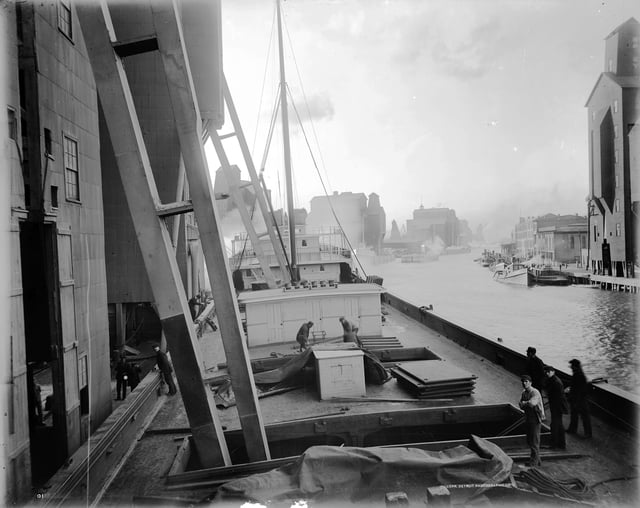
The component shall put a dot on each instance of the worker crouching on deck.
(531, 404)
(348, 334)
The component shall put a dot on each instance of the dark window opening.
(21, 89)
(47, 142)
(25, 147)
(84, 401)
(13, 124)
(83, 378)
(19, 31)
(54, 196)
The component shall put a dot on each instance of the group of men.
(127, 374)
(349, 333)
(542, 378)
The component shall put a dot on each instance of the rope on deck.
(573, 488)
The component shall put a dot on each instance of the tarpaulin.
(330, 473)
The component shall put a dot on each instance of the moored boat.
(548, 276)
(513, 274)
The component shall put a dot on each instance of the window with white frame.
(615, 106)
(616, 180)
(618, 229)
(83, 374)
(71, 175)
(64, 18)
(617, 208)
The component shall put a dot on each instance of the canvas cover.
(349, 474)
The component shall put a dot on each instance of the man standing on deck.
(557, 407)
(579, 400)
(535, 368)
(122, 376)
(303, 335)
(163, 363)
(531, 404)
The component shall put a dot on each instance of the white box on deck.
(340, 373)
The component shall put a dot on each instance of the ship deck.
(609, 457)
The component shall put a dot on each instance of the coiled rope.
(573, 488)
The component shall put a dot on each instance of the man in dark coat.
(535, 368)
(163, 363)
(134, 375)
(122, 376)
(579, 400)
(557, 407)
(303, 335)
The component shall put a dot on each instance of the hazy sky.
(475, 105)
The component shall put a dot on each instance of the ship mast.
(287, 152)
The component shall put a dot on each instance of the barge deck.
(608, 461)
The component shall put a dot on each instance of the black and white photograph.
(320, 253)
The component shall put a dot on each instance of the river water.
(598, 327)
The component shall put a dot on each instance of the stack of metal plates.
(371, 343)
(434, 379)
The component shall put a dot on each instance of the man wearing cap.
(535, 368)
(163, 363)
(579, 400)
(531, 404)
(557, 407)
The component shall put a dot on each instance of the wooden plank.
(189, 126)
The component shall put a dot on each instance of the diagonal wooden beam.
(189, 126)
(153, 236)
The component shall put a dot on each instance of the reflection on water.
(598, 327)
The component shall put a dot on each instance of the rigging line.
(304, 133)
(280, 239)
(264, 81)
(246, 238)
(272, 126)
(306, 102)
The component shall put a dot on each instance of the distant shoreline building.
(362, 219)
(552, 238)
(614, 156)
(429, 224)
